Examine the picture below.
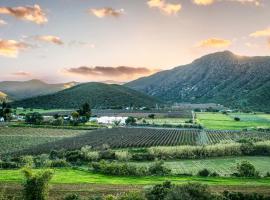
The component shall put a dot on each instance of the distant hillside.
(24, 89)
(98, 95)
(3, 97)
(225, 78)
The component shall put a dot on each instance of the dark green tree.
(34, 118)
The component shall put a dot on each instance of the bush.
(122, 169)
(240, 196)
(36, 186)
(190, 191)
(34, 118)
(130, 121)
(59, 163)
(72, 197)
(158, 168)
(237, 119)
(143, 157)
(246, 169)
(159, 192)
(132, 196)
(204, 173)
(107, 155)
(123, 155)
(214, 174)
(8, 165)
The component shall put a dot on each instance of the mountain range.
(98, 95)
(222, 77)
(17, 90)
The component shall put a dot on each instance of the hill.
(24, 89)
(3, 97)
(98, 95)
(225, 78)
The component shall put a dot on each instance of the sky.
(121, 40)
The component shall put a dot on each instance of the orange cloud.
(29, 13)
(105, 12)
(50, 39)
(261, 33)
(209, 2)
(215, 43)
(11, 48)
(2, 22)
(123, 72)
(164, 7)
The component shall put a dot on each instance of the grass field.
(223, 166)
(73, 176)
(161, 121)
(42, 111)
(17, 138)
(219, 121)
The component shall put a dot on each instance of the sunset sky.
(98, 40)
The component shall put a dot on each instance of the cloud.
(21, 73)
(29, 13)
(50, 38)
(261, 33)
(164, 7)
(105, 12)
(215, 43)
(122, 72)
(209, 2)
(11, 48)
(2, 22)
(76, 43)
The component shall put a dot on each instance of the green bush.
(132, 196)
(36, 186)
(204, 173)
(158, 168)
(72, 197)
(246, 169)
(158, 192)
(59, 163)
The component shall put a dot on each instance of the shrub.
(151, 116)
(237, 119)
(8, 165)
(72, 197)
(246, 169)
(34, 118)
(240, 196)
(143, 157)
(123, 155)
(59, 163)
(42, 161)
(27, 161)
(159, 192)
(36, 186)
(204, 172)
(107, 155)
(214, 174)
(190, 191)
(158, 168)
(122, 169)
(130, 121)
(132, 196)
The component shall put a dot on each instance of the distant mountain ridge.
(222, 77)
(98, 95)
(25, 89)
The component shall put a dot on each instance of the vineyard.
(145, 137)
(17, 138)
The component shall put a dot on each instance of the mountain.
(24, 89)
(222, 77)
(98, 95)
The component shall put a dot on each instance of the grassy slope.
(96, 94)
(220, 121)
(64, 176)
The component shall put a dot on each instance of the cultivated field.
(223, 166)
(18, 138)
(219, 121)
(146, 137)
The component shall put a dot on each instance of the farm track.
(140, 137)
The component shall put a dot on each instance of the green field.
(42, 111)
(18, 138)
(161, 121)
(223, 166)
(219, 121)
(68, 176)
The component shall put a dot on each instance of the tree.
(75, 118)
(151, 116)
(246, 169)
(36, 186)
(34, 118)
(237, 119)
(204, 172)
(159, 192)
(85, 112)
(6, 111)
(130, 121)
(72, 197)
